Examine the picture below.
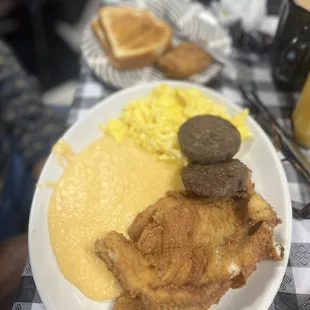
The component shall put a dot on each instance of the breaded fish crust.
(186, 251)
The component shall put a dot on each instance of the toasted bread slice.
(133, 37)
(96, 27)
(183, 60)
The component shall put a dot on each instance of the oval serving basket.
(193, 21)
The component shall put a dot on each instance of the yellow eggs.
(153, 122)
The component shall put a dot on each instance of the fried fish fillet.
(186, 251)
(127, 303)
(184, 60)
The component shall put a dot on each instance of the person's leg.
(9, 223)
(13, 256)
(16, 200)
(15, 208)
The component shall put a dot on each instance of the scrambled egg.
(153, 122)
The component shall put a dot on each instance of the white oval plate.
(193, 20)
(268, 174)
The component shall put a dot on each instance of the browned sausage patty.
(220, 179)
(207, 139)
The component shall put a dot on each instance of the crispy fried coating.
(127, 303)
(186, 251)
(259, 210)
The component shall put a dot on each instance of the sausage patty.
(207, 139)
(220, 179)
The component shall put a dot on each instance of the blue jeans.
(16, 199)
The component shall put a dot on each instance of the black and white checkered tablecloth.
(294, 292)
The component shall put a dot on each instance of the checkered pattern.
(294, 292)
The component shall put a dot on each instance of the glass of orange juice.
(301, 116)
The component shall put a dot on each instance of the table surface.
(294, 291)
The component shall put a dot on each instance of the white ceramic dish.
(58, 294)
